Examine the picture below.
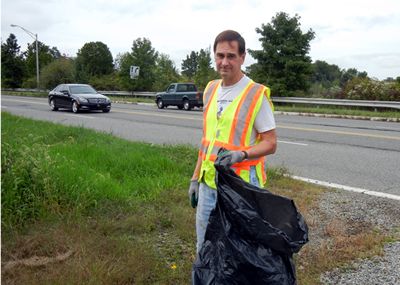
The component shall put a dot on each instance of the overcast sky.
(363, 34)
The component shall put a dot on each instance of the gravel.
(378, 270)
(379, 213)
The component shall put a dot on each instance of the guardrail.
(127, 93)
(287, 100)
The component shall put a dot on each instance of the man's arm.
(196, 172)
(266, 146)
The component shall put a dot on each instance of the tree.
(46, 56)
(205, 72)
(12, 65)
(349, 74)
(326, 74)
(94, 58)
(59, 71)
(283, 63)
(166, 73)
(144, 56)
(190, 64)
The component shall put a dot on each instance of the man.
(237, 116)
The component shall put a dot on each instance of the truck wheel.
(186, 105)
(160, 104)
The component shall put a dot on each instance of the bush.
(29, 83)
(106, 82)
(368, 89)
(57, 72)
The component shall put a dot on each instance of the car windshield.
(82, 89)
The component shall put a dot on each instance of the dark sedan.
(78, 97)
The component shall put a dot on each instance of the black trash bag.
(251, 235)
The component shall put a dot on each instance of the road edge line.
(347, 188)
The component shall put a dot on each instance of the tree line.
(283, 64)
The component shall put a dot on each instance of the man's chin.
(224, 74)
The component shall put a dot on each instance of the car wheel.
(106, 110)
(160, 104)
(75, 107)
(180, 107)
(53, 105)
(186, 105)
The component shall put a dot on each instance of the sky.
(361, 34)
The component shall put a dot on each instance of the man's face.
(228, 61)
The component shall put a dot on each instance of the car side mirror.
(65, 92)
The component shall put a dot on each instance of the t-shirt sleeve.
(265, 120)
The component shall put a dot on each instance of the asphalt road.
(354, 153)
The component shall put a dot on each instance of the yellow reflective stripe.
(267, 93)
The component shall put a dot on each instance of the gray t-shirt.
(265, 118)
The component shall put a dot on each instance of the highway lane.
(356, 153)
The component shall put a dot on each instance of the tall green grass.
(50, 169)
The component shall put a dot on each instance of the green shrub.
(368, 89)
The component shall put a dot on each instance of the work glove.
(231, 157)
(193, 193)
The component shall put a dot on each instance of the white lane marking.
(302, 144)
(81, 116)
(347, 188)
(158, 115)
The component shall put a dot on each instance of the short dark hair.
(230, 36)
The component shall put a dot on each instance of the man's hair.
(230, 36)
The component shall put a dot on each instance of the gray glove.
(232, 157)
(193, 193)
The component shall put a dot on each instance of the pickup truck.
(183, 95)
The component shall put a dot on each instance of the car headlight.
(82, 100)
(108, 100)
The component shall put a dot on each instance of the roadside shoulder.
(363, 213)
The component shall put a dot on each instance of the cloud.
(345, 30)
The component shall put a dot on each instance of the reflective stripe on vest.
(231, 131)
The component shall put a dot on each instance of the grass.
(121, 207)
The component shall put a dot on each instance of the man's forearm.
(266, 146)
(196, 172)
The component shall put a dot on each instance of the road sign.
(134, 72)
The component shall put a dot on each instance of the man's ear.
(243, 56)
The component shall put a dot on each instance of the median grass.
(83, 207)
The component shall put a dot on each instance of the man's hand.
(232, 157)
(193, 193)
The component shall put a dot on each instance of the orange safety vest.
(232, 130)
